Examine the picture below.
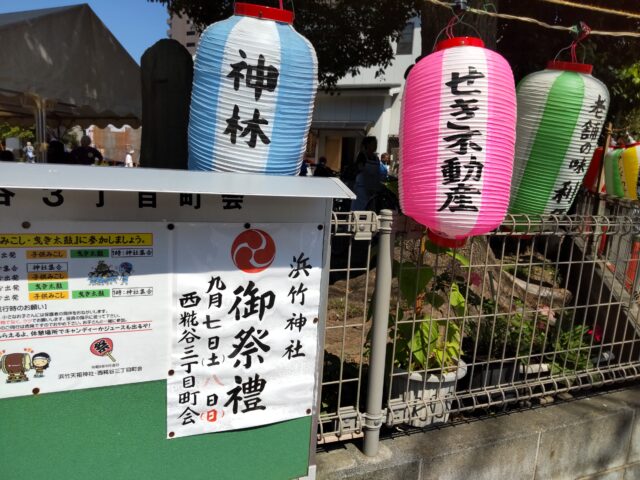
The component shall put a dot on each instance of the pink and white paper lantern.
(457, 138)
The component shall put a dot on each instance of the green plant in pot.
(427, 359)
(435, 344)
(431, 344)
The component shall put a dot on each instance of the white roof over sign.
(67, 56)
(111, 179)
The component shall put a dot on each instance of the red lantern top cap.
(268, 13)
(570, 66)
(459, 42)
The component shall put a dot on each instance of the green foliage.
(525, 334)
(428, 343)
(412, 279)
(528, 47)
(624, 85)
(491, 331)
(433, 344)
(347, 34)
(24, 134)
(457, 300)
(573, 352)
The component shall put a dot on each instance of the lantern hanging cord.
(582, 31)
(448, 29)
(506, 16)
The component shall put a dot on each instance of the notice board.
(75, 422)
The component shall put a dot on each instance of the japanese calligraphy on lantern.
(249, 78)
(583, 144)
(81, 305)
(258, 78)
(246, 305)
(462, 167)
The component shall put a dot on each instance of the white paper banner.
(82, 305)
(245, 326)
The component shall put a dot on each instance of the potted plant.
(427, 362)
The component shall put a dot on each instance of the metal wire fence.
(540, 308)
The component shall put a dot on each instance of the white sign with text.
(246, 306)
(82, 305)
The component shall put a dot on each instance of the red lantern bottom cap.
(445, 242)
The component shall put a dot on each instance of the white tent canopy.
(63, 66)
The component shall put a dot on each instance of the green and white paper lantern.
(561, 112)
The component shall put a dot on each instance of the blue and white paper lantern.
(254, 87)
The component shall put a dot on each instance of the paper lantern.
(561, 112)
(254, 86)
(629, 162)
(457, 139)
(591, 179)
(613, 172)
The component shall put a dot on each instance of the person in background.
(6, 155)
(56, 153)
(128, 160)
(368, 180)
(85, 154)
(304, 170)
(384, 166)
(30, 153)
(349, 173)
(322, 170)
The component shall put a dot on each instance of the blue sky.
(137, 24)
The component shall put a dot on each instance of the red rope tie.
(584, 32)
(449, 28)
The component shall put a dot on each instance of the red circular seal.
(253, 251)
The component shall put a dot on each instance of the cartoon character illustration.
(15, 365)
(102, 274)
(40, 362)
(125, 269)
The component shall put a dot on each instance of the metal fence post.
(380, 325)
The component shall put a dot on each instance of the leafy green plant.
(412, 280)
(520, 333)
(527, 336)
(492, 330)
(427, 343)
(24, 134)
(432, 344)
(572, 352)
